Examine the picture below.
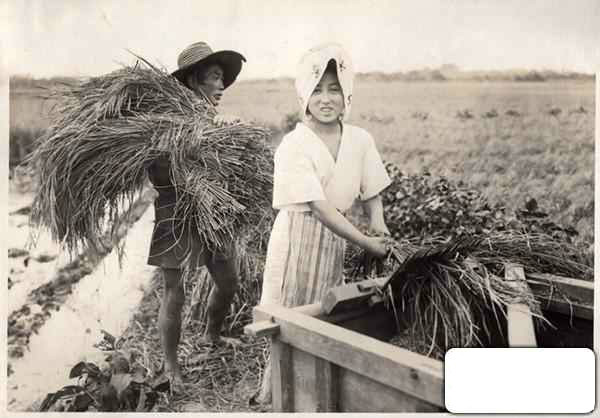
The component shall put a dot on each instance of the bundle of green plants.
(454, 293)
(536, 252)
(91, 163)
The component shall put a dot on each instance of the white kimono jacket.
(305, 171)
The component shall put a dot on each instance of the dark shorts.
(171, 243)
(170, 250)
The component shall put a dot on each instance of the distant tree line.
(448, 72)
(453, 73)
(26, 82)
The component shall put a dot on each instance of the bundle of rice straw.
(454, 294)
(92, 161)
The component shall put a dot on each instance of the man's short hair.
(200, 72)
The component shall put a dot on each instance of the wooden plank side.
(409, 372)
(282, 377)
(305, 380)
(521, 332)
(315, 383)
(261, 329)
(581, 291)
(315, 310)
(358, 393)
(564, 295)
(567, 308)
(327, 385)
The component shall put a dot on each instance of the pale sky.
(88, 37)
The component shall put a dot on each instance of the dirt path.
(105, 299)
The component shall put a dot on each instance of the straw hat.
(200, 53)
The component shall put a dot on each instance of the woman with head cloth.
(321, 167)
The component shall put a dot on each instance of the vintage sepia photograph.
(291, 206)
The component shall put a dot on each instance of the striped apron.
(304, 260)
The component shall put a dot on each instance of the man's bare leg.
(169, 322)
(225, 279)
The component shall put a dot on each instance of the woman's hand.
(222, 120)
(334, 220)
(377, 246)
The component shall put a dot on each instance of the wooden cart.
(338, 361)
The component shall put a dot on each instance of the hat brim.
(229, 61)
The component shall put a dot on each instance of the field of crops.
(511, 141)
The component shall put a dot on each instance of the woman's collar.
(315, 137)
(303, 125)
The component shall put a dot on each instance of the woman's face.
(326, 103)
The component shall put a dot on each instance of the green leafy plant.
(121, 384)
(429, 208)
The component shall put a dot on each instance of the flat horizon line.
(476, 73)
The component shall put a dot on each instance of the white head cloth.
(312, 66)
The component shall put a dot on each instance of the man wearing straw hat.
(207, 74)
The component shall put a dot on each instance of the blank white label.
(520, 380)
